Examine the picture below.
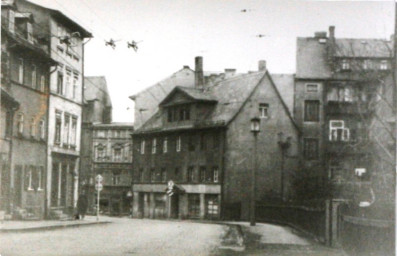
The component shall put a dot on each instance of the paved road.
(122, 237)
(130, 237)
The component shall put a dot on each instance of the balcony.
(348, 108)
(350, 147)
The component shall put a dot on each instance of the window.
(263, 110)
(42, 83)
(212, 206)
(75, 83)
(178, 144)
(8, 124)
(190, 174)
(311, 87)
(40, 178)
(20, 70)
(163, 175)
(20, 123)
(141, 175)
(383, 65)
(191, 146)
(152, 175)
(143, 147)
(34, 78)
(215, 140)
(117, 154)
(154, 146)
(312, 111)
(116, 179)
(216, 174)
(310, 148)
(184, 113)
(30, 32)
(345, 65)
(165, 145)
(66, 129)
(366, 64)
(337, 131)
(203, 144)
(202, 173)
(176, 173)
(29, 178)
(68, 81)
(58, 123)
(11, 21)
(42, 129)
(73, 132)
(170, 114)
(60, 83)
(32, 128)
(100, 152)
(341, 94)
(101, 134)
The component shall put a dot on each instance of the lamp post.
(255, 122)
(284, 145)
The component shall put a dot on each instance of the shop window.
(194, 205)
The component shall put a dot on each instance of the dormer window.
(178, 113)
(345, 64)
(383, 65)
(184, 113)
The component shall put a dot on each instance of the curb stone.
(51, 227)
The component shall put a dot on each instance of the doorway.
(174, 206)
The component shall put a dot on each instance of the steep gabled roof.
(285, 84)
(96, 89)
(192, 93)
(231, 96)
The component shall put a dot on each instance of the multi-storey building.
(65, 41)
(25, 76)
(112, 158)
(199, 143)
(342, 89)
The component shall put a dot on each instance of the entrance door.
(175, 206)
(54, 184)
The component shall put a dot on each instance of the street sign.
(99, 178)
(98, 187)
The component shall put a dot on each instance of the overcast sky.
(173, 32)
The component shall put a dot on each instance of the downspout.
(222, 202)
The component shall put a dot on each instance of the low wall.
(306, 219)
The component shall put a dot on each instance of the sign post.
(98, 188)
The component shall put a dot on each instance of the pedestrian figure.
(82, 204)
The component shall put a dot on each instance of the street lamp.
(284, 145)
(255, 122)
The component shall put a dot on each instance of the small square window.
(311, 87)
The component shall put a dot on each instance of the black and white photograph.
(198, 127)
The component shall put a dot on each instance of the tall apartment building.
(65, 41)
(343, 104)
(25, 76)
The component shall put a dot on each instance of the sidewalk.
(31, 226)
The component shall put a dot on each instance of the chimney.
(198, 73)
(186, 67)
(321, 34)
(262, 65)
(331, 30)
(229, 72)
